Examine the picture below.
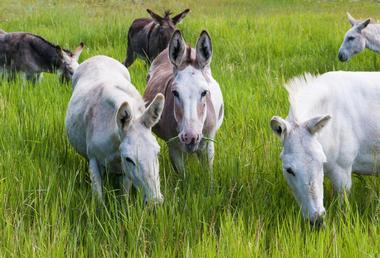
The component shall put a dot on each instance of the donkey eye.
(203, 93)
(129, 160)
(175, 93)
(350, 38)
(290, 171)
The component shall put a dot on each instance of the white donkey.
(108, 124)
(194, 108)
(314, 146)
(363, 34)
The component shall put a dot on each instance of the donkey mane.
(167, 13)
(49, 43)
(306, 95)
(46, 49)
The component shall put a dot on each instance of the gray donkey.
(147, 37)
(31, 55)
(361, 35)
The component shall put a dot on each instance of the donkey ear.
(78, 51)
(124, 116)
(176, 48)
(204, 49)
(279, 126)
(179, 17)
(351, 19)
(155, 16)
(363, 25)
(315, 124)
(153, 112)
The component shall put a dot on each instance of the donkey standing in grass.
(331, 130)
(108, 124)
(32, 55)
(363, 34)
(193, 109)
(148, 37)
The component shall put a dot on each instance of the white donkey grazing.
(108, 124)
(313, 145)
(363, 34)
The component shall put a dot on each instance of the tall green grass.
(46, 206)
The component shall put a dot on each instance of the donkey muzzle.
(190, 139)
(342, 57)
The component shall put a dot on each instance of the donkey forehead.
(139, 140)
(190, 78)
(301, 146)
(353, 32)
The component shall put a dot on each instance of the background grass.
(46, 205)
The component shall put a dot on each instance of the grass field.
(46, 205)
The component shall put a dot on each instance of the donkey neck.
(372, 35)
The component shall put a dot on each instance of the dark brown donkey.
(193, 109)
(148, 37)
(31, 55)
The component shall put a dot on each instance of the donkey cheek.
(178, 112)
(201, 109)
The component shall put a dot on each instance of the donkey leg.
(206, 156)
(33, 77)
(96, 179)
(131, 56)
(341, 180)
(177, 159)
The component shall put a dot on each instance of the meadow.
(46, 203)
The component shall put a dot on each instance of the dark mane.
(44, 49)
(49, 43)
(167, 13)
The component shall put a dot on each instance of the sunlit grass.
(47, 209)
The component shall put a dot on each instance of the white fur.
(359, 37)
(101, 86)
(190, 83)
(314, 144)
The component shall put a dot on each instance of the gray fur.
(147, 37)
(31, 55)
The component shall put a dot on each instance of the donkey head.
(167, 24)
(354, 41)
(302, 162)
(139, 148)
(190, 87)
(68, 61)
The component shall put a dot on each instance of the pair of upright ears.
(150, 117)
(177, 49)
(281, 127)
(360, 25)
(176, 19)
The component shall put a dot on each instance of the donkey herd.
(330, 129)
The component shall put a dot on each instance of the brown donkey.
(32, 55)
(193, 110)
(148, 37)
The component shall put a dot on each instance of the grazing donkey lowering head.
(302, 161)
(139, 148)
(354, 41)
(149, 37)
(190, 87)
